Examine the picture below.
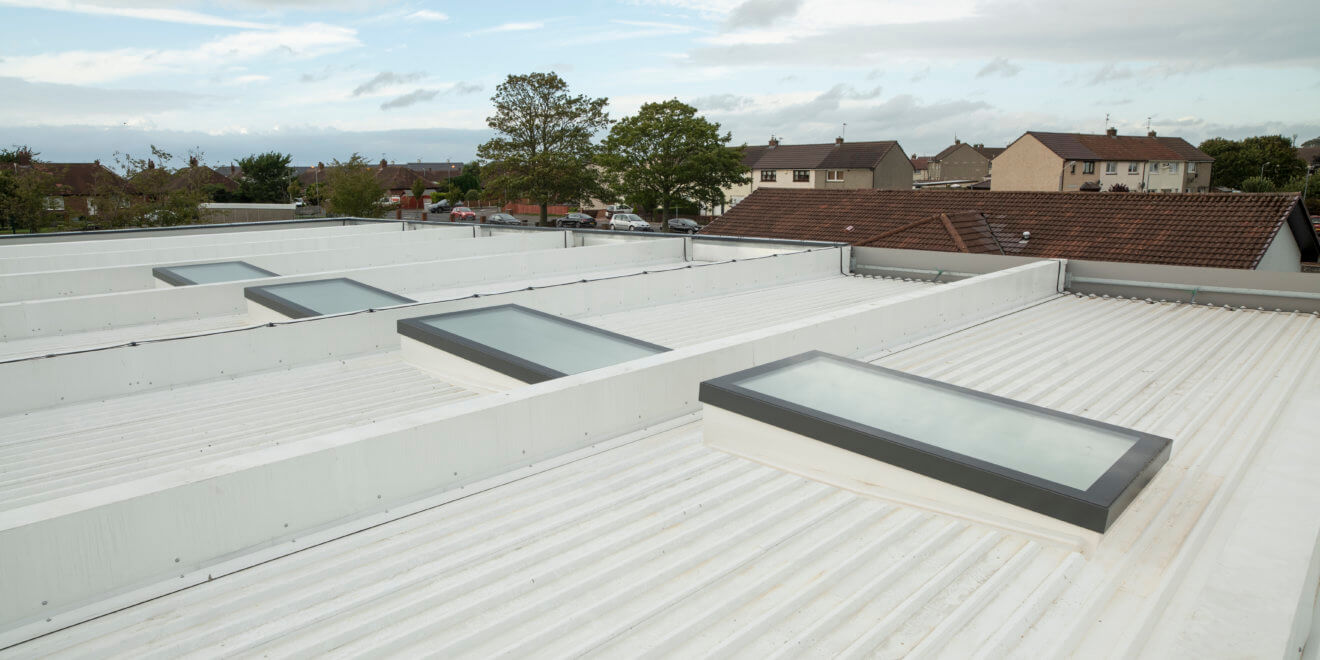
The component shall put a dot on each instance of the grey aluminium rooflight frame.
(170, 274)
(267, 296)
(492, 358)
(1095, 508)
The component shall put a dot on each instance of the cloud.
(251, 78)
(427, 15)
(81, 66)
(385, 79)
(721, 102)
(162, 14)
(411, 98)
(999, 67)
(48, 103)
(760, 13)
(466, 88)
(1110, 73)
(512, 27)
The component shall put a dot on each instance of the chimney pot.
(320, 166)
(1150, 133)
(774, 142)
(1111, 132)
(192, 161)
(383, 163)
(151, 164)
(838, 140)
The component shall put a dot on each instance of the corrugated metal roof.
(666, 547)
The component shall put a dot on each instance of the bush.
(1257, 184)
(1119, 187)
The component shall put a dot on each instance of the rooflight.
(221, 271)
(319, 297)
(1071, 468)
(529, 345)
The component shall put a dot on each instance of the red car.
(462, 214)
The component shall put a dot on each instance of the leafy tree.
(418, 189)
(1119, 187)
(470, 178)
(668, 154)
(24, 194)
(353, 190)
(542, 150)
(1269, 156)
(266, 178)
(295, 189)
(472, 196)
(155, 196)
(1256, 184)
(314, 193)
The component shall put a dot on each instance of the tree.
(266, 178)
(1313, 142)
(542, 150)
(469, 179)
(295, 190)
(418, 189)
(1270, 156)
(353, 190)
(669, 154)
(1256, 184)
(154, 197)
(26, 186)
(1119, 187)
(314, 193)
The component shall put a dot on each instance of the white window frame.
(1133, 167)
(1088, 167)
(54, 203)
(1154, 167)
(1191, 167)
(834, 175)
(1111, 167)
(1173, 168)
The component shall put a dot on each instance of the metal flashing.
(1094, 503)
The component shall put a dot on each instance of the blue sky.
(82, 79)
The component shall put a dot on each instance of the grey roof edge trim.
(492, 358)
(1095, 509)
(167, 274)
(263, 295)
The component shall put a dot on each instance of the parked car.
(576, 220)
(683, 225)
(617, 208)
(629, 222)
(462, 214)
(442, 206)
(502, 219)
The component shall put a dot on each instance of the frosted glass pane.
(228, 271)
(564, 346)
(334, 296)
(1020, 439)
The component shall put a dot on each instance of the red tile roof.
(920, 163)
(849, 155)
(1208, 229)
(1081, 146)
(79, 179)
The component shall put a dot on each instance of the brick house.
(1077, 161)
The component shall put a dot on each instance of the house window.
(1191, 167)
(1173, 168)
(834, 175)
(1154, 167)
(1111, 167)
(801, 176)
(767, 175)
(1088, 167)
(1132, 168)
(54, 203)
(1073, 169)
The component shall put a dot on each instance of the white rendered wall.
(1283, 254)
(151, 531)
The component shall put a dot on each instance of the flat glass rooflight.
(320, 297)
(1075, 469)
(220, 271)
(524, 343)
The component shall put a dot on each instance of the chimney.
(1111, 132)
(978, 145)
(1150, 133)
(838, 141)
(192, 161)
(232, 169)
(774, 142)
(320, 166)
(957, 141)
(97, 162)
(383, 163)
(151, 164)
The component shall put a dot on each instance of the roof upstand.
(210, 273)
(320, 297)
(1074, 469)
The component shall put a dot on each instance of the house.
(185, 480)
(832, 166)
(961, 161)
(1076, 161)
(437, 172)
(920, 167)
(77, 184)
(1248, 231)
(1310, 156)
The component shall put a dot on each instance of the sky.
(408, 81)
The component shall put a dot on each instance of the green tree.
(1257, 184)
(1270, 156)
(470, 178)
(265, 178)
(669, 154)
(314, 193)
(353, 190)
(542, 150)
(418, 189)
(25, 191)
(155, 196)
(295, 190)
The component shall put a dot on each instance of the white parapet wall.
(151, 535)
(339, 253)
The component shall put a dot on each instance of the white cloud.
(251, 78)
(164, 14)
(513, 27)
(428, 15)
(83, 66)
(411, 98)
